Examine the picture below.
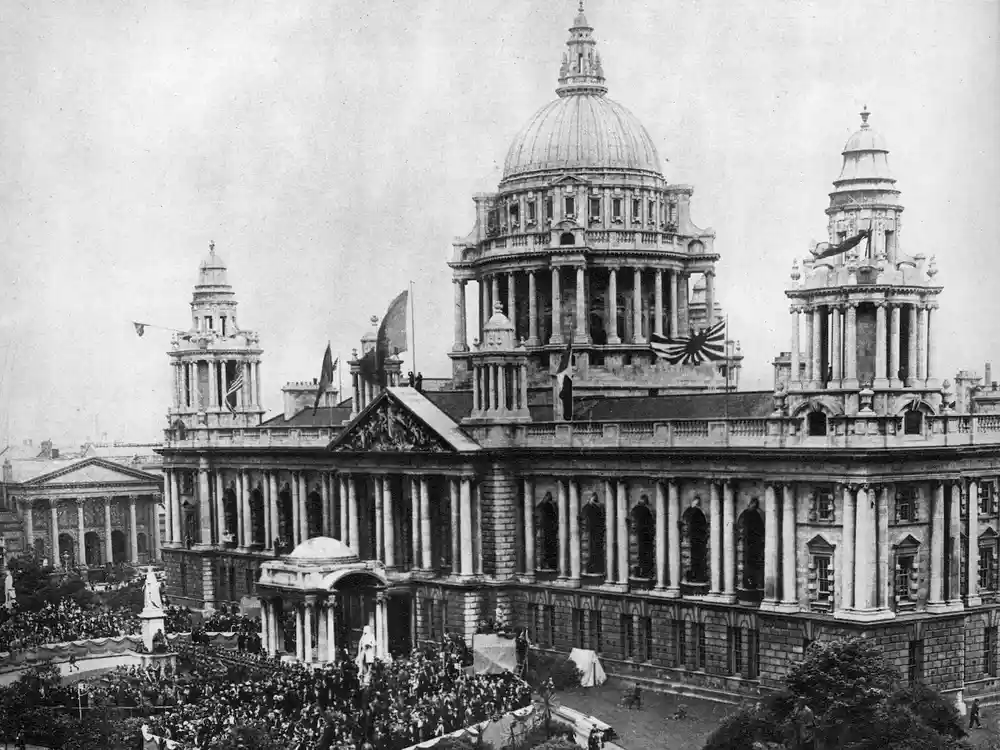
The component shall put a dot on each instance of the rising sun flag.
(707, 345)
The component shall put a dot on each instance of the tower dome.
(582, 129)
(866, 160)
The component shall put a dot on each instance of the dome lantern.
(581, 71)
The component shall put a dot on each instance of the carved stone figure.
(152, 598)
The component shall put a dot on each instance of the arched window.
(642, 552)
(816, 423)
(230, 517)
(694, 546)
(547, 524)
(257, 528)
(67, 550)
(750, 549)
(140, 543)
(593, 535)
(284, 530)
(913, 422)
(567, 238)
(314, 514)
(906, 580)
(92, 547)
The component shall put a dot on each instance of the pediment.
(403, 420)
(819, 543)
(569, 179)
(94, 471)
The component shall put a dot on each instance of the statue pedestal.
(151, 620)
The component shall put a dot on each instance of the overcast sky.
(331, 149)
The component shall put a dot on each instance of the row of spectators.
(62, 621)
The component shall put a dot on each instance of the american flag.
(708, 344)
(235, 386)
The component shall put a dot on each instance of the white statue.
(9, 593)
(151, 592)
(366, 652)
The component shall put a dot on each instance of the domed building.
(691, 534)
(585, 238)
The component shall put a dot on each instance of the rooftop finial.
(864, 117)
(581, 71)
(581, 6)
(211, 247)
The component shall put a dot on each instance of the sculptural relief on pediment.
(388, 428)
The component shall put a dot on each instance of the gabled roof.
(325, 416)
(403, 420)
(88, 471)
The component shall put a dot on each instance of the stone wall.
(500, 499)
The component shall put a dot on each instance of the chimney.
(989, 372)
(8, 472)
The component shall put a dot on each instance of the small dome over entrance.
(323, 548)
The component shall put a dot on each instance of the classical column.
(331, 628)
(272, 481)
(795, 353)
(265, 631)
(637, 306)
(109, 552)
(485, 307)
(303, 507)
(213, 385)
(465, 495)
(54, 523)
(621, 534)
(911, 346)
(894, 333)
(81, 548)
(881, 381)
(511, 302)
(425, 524)
(673, 529)
(851, 346)
(817, 345)
(265, 491)
(29, 525)
(556, 337)
(575, 565)
(847, 556)
(219, 509)
(300, 649)
(609, 531)
(613, 337)
(709, 298)
(296, 510)
(836, 339)
(955, 535)
(661, 537)
(389, 520)
(307, 644)
(381, 624)
(456, 528)
(715, 539)
(461, 340)
(936, 594)
(563, 530)
(921, 368)
(133, 544)
(532, 310)
(379, 502)
(344, 531)
(865, 551)
(240, 520)
(674, 293)
(154, 528)
(931, 353)
(658, 299)
(770, 544)
(324, 489)
(581, 306)
(352, 513)
(729, 540)
(204, 504)
(788, 544)
(169, 503)
(972, 534)
(809, 373)
(415, 523)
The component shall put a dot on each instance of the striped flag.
(234, 387)
(708, 344)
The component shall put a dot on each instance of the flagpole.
(729, 364)
(413, 333)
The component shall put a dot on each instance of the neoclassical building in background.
(690, 533)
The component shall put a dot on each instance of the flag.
(708, 344)
(564, 379)
(140, 328)
(825, 249)
(391, 339)
(325, 375)
(234, 387)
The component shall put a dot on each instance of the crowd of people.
(404, 702)
(62, 621)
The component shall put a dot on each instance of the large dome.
(582, 131)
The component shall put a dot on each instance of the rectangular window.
(210, 326)
(701, 644)
(987, 498)
(530, 205)
(579, 632)
(753, 653)
(824, 504)
(636, 210)
(570, 205)
(536, 629)
(430, 620)
(915, 673)
(651, 212)
(596, 634)
(492, 220)
(550, 618)
(736, 650)
(222, 321)
(987, 568)
(248, 581)
(595, 209)
(628, 637)
(548, 208)
(906, 504)
(647, 637)
(904, 568)
(616, 209)
(989, 651)
(443, 615)
(680, 643)
(824, 577)
(515, 214)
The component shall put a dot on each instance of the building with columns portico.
(688, 533)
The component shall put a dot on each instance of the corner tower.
(216, 363)
(862, 317)
(586, 238)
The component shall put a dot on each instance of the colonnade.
(831, 329)
(316, 613)
(672, 321)
(188, 394)
(148, 510)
